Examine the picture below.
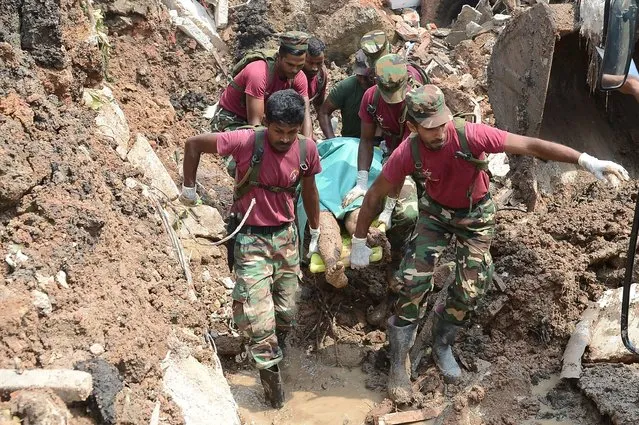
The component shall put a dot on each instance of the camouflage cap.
(295, 40)
(361, 67)
(375, 45)
(426, 105)
(391, 77)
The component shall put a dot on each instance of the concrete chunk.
(143, 156)
(69, 385)
(606, 344)
(467, 14)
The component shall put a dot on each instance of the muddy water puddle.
(315, 394)
(546, 410)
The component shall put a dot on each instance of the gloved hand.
(603, 170)
(360, 253)
(385, 216)
(359, 190)
(189, 196)
(312, 246)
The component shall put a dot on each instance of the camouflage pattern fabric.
(374, 44)
(267, 272)
(435, 226)
(224, 120)
(404, 218)
(391, 77)
(295, 40)
(426, 105)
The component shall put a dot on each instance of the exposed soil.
(64, 206)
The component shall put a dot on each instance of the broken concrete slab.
(406, 32)
(467, 14)
(500, 19)
(142, 155)
(472, 29)
(221, 13)
(456, 37)
(400, 4)
(615, 391)
(69, 385)
(202, 392)
(189, 10)
(606, 344)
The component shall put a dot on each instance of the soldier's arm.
(254, 110)
(524, 145)
(310, 199)
(372, 204)
(324, 118)
(193, 148)
(307, 127)
(319, 100)
(366, 145)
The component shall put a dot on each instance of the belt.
(263, 230)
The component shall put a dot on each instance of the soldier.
(272, 162)
(347, 96)
(448, 155)
(374, 44)
(315, 71)
(242, 102)
(383, 108)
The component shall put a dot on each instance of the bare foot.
(335, 275)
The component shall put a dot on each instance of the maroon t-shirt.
(276, 169)
(254, 78)
(448, 177)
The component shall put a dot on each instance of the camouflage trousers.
(404, 217)
(224, 120)
(267, 271)
(474, 231)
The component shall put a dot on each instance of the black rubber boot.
(401, 339)
(272, 383)
(443, 338)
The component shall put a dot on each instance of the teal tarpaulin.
(338, 157)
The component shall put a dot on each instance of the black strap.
(372, 111)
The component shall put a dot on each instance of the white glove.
(389, 207)
(312, 246)
(604, 170)
(359, 189)
(189, 196)
(360, 253)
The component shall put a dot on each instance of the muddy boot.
(272, 383)
(401, 339)
(443, 337)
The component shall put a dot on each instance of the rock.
(467, 14)
(200, 251)
(411, 17)
(61, 278)
(456, 37)
(484, 7)
(111, 122)
(467, 82)
(143, 156)
(606, 344)
(39, 407)
(211, 220)
(406, 32)
(457, 100)
(472, 29)
(41, 32)
(201, 392)
(441, 32)
(228, 282)
(69, 385)
(42, 302)
(96, 349)
(106, 385)
(206, 276)
(44, 281)
(500, 19)
(346, 26)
